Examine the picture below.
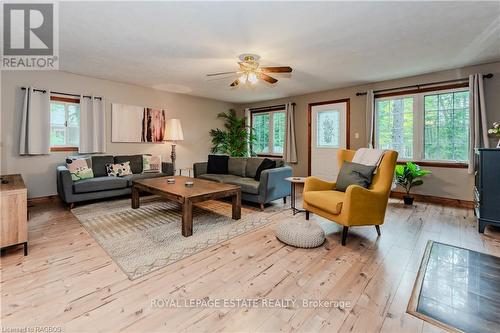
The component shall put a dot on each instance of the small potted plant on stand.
(408, 176)
(495, 131)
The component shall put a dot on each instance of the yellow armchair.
(357, 206)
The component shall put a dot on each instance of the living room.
(218, 166)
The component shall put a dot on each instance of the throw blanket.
(367, 156)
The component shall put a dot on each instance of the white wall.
(198, 116)
(444, 182)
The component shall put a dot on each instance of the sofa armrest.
(64, 183)
(273, 185)
(199, 168)
(167, 168)
(316, 184)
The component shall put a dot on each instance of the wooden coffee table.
(202, 190)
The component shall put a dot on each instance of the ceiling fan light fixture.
(243, 79)
(252, 78)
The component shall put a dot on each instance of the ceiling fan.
(251, 71)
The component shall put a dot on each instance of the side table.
(295, 181)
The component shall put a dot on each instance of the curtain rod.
(270, 108)
(60, 93)
(418, 86)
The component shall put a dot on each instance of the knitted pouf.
(300, 233)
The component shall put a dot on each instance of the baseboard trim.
(44, 200)
(436, 200)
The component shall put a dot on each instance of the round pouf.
(300, 233)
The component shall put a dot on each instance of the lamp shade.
(173, 130)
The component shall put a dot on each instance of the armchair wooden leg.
(378, 229)
(307, 215)
(344, 235)
(261, 206)
(284, 200)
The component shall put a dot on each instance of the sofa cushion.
(131, 178)
(265, 165)
(252, 166)
(217, 164)
(218, 178)
(99, 184)
(236, 166)
(248, 185)
(329, 201)
(135, 162)
(99, 164)
(354, 174)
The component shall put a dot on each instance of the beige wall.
(198, 116)
(444, 182)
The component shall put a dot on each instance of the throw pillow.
(151, 164)
(79, 168)
(217, 164)
(118, 170)
(354, 174)
(266, 164)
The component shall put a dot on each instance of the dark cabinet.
(487, 187)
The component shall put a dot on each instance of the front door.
(328, 133)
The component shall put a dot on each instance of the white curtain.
(248, 124)
(35, 123)
(370, 118)
(290, 149)
(478, 125)
(92, 125)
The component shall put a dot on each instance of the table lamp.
(173, 133)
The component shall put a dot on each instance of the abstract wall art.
(130, 123)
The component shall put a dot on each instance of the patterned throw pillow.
(118, 170)
(151, 164)
(79, 168)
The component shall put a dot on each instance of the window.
(269, 131)
(327, 131)
(431, 126)
(64, 123)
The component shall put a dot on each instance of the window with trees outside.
(269, 132)
(64, 124)
(431, 126)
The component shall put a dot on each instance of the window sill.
(64, 149)
(452, 165)
(269, 155)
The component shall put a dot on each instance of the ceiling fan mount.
(251, 71)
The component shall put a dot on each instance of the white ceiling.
(171, 46)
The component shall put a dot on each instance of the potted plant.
(232, 141)
(495, 131)
(408, 176)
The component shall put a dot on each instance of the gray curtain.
(92, 125)
(370, 118)
(478, 124)
(35, 124)
(290, 149)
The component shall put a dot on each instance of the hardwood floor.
(69, 281)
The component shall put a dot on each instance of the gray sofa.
(241, 171)
(102, 186)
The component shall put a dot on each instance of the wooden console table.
(14, 212)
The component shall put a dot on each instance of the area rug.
(457, 289)
(143, 240)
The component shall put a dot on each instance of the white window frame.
(66, 114)
(271, 130)
(418, 123)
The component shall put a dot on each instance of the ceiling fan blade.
(235, 83)
(281, 69)
(222, 73)
(267, 78)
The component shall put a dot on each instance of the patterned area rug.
(143, 240)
